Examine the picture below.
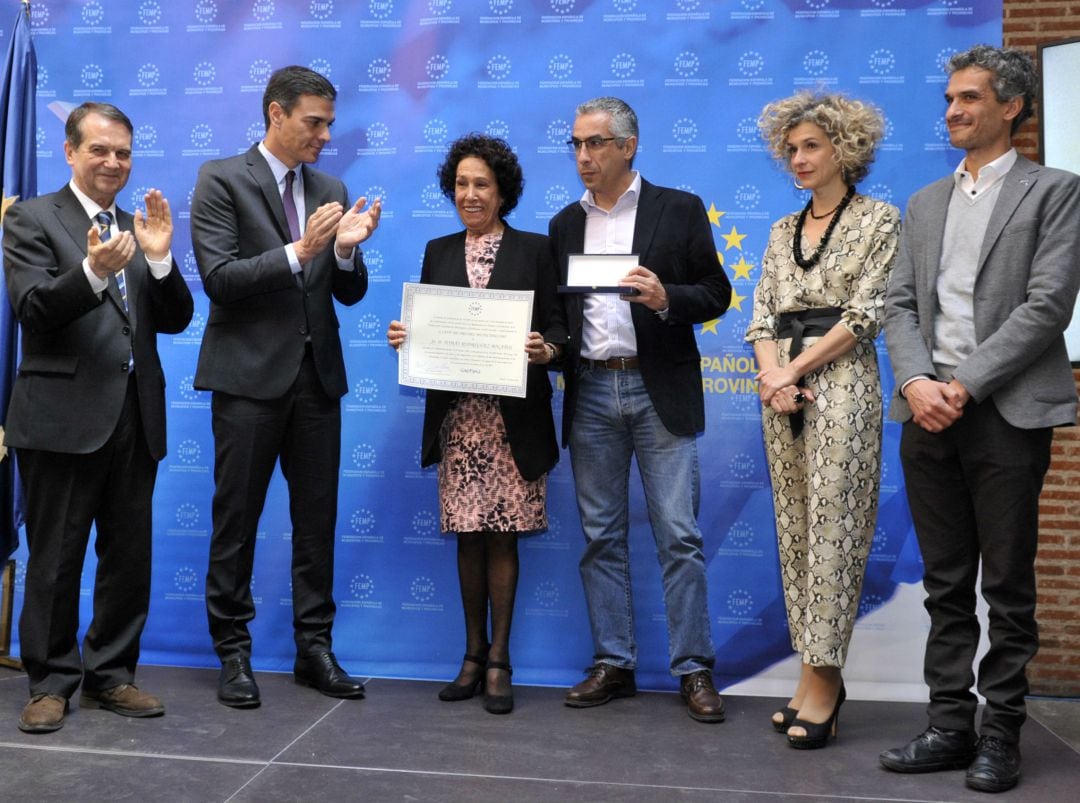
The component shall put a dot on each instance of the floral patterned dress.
(480, 487)
(825, 482)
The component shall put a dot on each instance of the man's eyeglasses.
(592, 143)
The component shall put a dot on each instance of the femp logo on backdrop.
(39, 21)
(92, 78)
(687, 68)
(205, 13)
(264, 14)
(742, 473)
(148, 78)
(378, 74)
(377, 136)
(741, 541)
(626, 11)
(883, 8)
(753, 10)
(547, 600)
(42, 87)
(746, 204)
(201, 141)
(500, 12)
(816, 9)
(187, 397)
(739, 609)
(436, 70)
(815, 66)
(498, 69)
(192, 336)
(187, 522)
(365, 396)
(556, 197)
(145, 145)
(362, 530)
(150, 16)
(556, 135)
(436, 134)
(748, 140)
(322, 15)
(93, 19)
(363, 463)
(623, 68)
(380, 15)
(185, 585)
(188, 458)
(440, 12)
(689, 11)
(361, 593)
(751, 66)
(560, 70)
(433, 204)
(258, 74)
(421, 595)
(562, 11)
(425, 530)
(684, 135)
(881, 66)
(204, 80)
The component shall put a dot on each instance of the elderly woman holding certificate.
(493, 452)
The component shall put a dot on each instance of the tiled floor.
(403, 744)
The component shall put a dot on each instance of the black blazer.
(673, 237)
(259, 316)
(73, 377)
(523, 262)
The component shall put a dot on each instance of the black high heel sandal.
(456, 692)
(788, 713)
(817, 733)
(499, 703)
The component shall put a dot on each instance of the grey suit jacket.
(75, 349)
(1025, 288)
(260, 318)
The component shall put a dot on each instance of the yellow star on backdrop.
(710, 326)
(742, 268)
(8, 201)
(736, 301)
(715, 215)
(720, 256)
(733, 239)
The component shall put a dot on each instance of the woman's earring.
(798, 186)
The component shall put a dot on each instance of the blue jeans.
(613, 420)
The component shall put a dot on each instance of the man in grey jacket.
(982, 291)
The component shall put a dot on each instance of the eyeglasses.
(592, 143)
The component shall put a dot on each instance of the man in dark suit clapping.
(276, 243)
(91, 287)
(633, 388)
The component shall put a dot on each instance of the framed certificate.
(599, 273)
(465, 340)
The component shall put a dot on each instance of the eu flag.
(18, 129)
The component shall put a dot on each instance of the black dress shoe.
(605, 682)
(236, 684)
(500, 703)
(996, 766)
(321, 671)
(932, 750)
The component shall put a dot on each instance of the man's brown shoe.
(125, 699)
(605, 682)
(703, 703)
(43, 714)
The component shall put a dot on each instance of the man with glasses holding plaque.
(633, 387)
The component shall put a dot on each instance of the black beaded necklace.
(801, 261)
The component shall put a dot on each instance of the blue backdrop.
(413, 75)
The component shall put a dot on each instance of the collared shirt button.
(124, 367)
(303, 331)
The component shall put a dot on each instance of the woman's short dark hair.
(497, 155)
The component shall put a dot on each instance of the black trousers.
(303, 430)
(111, 488)
(974, 491)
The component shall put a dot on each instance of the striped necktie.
(104, 220)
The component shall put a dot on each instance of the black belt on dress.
(797, 325)
(612, 363)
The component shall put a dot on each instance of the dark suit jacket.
(523, 262)
(673, 239)
(1025, 288)
(73, 376)
(259, 315)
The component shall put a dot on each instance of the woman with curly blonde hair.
(817, 310)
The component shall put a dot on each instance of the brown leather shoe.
(703, 703)
(125, 699)
(605, 682)
(43, 714)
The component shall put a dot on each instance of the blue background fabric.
(413, 75)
